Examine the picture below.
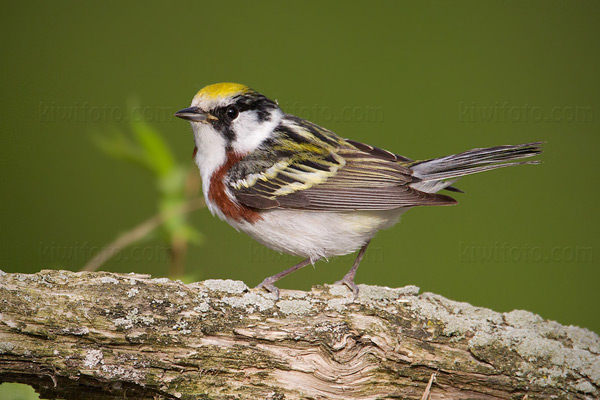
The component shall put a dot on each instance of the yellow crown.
(221, 90)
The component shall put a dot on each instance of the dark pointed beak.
(192, 114)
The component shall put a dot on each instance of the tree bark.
(98, 335)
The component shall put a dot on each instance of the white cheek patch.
(250, 132)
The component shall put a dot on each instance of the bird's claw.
(350, 285)
(267, 285)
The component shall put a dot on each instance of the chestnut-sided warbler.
(300, 189)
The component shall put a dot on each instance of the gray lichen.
(297, 307)
(6, 347)
(250, 302)
(227, 286)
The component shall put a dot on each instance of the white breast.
(318, 234)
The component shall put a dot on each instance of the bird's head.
(232, 116)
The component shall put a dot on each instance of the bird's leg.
(348, 279)
(268, 282)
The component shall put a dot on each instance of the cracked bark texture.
(98, 335)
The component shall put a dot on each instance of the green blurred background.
(420, 79)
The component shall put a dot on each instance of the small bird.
(301, 189)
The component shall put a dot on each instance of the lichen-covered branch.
(98, 335)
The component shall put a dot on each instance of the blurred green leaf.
(173, 181)
(158, 156)
(115, 144)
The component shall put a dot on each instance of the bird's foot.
(349, 282)
(267, 285)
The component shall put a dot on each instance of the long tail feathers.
(439, 173)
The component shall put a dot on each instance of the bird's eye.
(232, 112)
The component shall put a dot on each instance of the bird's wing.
(308, 167)
(393, 157)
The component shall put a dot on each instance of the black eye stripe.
(262, 106)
